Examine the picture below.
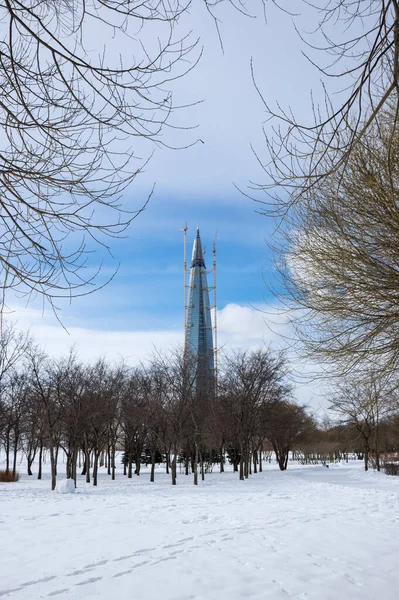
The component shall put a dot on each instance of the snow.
(66, 486)
(310, 533)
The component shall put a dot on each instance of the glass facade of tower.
(199, 339)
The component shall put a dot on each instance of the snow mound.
(66, 486)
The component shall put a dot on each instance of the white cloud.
(254, 327)
(238, 327)
(132, 346)
(249, 327)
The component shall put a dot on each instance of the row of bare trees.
(158, 410)
(367, 408)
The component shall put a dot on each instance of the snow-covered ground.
(310, 533)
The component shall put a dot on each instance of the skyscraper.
(198, 338)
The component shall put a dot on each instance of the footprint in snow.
(96, 564)
(91, 580)
(121, 574)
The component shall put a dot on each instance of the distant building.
(199, 339)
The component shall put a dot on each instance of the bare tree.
(362, 404)
(17, 397)
(131, 418)
(13, 388)
(287, 426)
(75, 416)
(86, 91)
(340, 268)
(354, 46)
(101, 402)
(13, 346)
(155, 386)
(32, 430)
(333, 182)
(47, 378)
(114, 426)
(252, 382)
(179, 378)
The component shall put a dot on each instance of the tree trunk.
(108, 460)
(377, 448)
(286, 461)
(74, 467)
(187, 464)
(39, 473)
(153, 453)
(246, 460)
(57, 447)
(281, 457)
(138, 464)
(241, 468)
(95, 467)
(68, 470)
(202, 467)
(113, 462)
(195, 469)
(255, 461)
(130, 467)
(84, 461)
(53, 465)
(222, 459)
(260, 461)
(30, 460)
(14, 462)
(87, 465)
(236, 460)
(173, 468)
(366, 455)
(7, 449)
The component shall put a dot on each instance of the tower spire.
(198, 253)
(198, 335)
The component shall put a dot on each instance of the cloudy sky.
(142, 307)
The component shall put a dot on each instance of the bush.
(391, 468)
(8, 476)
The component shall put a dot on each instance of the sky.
(142, 307)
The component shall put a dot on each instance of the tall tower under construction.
(198, 336)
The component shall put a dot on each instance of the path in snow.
(310, 534)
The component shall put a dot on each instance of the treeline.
(161, 411)
(91, 412)
(376, 444)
